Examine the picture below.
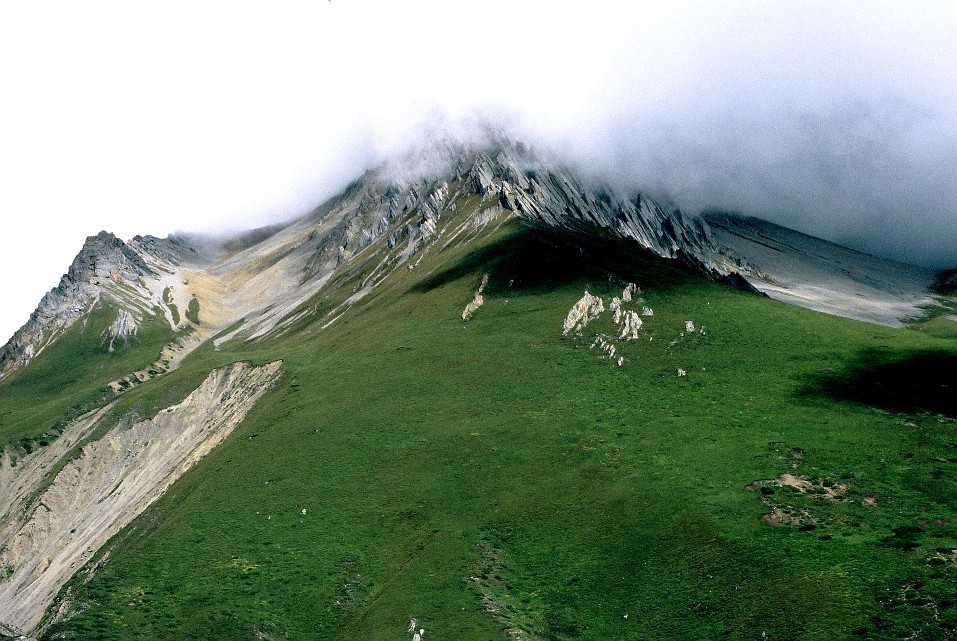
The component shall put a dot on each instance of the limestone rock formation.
(477, 301)
(585, 310)
(630, 324)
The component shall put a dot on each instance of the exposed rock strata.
(141, 278)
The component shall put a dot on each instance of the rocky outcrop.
(628, 321)
(140, 278)
(629, 292)
(113, 479)
(543, 191)
(630, 324)
(584, 311)
(477, 301)
(405, 205)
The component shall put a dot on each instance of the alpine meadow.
(476, 396)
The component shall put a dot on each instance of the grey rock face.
(405, 201)
(103, 258)
(104, 265)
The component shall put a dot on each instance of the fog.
(837, 119)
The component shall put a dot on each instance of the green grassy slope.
(494, 475)
(70, 377)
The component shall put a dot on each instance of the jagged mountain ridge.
(409, 204)
(394, 212)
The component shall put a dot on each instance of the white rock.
(630, 290)
(681, 372)
(583, 312)
(630, 326)
(615, 308)
(476, 302)
(689, 326)
(123, 327)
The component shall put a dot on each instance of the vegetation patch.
(70, 378)
(519, 614)
(192, 311)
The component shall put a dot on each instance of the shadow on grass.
(924, 381)
(538, 259)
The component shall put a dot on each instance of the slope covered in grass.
(70, 377)
(496, 479)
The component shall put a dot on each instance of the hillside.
(817, 274)
(405, 406)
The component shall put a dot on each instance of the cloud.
(835, 118)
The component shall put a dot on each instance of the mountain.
(401, 210)
(477, 395)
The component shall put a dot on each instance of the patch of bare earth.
(214, 316)
(781, 513)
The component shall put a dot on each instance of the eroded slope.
(111, 480)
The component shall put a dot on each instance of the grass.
(168, 300)
(38, 401)
(192, 311)
(493, 474)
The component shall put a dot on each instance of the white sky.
(147, 118)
